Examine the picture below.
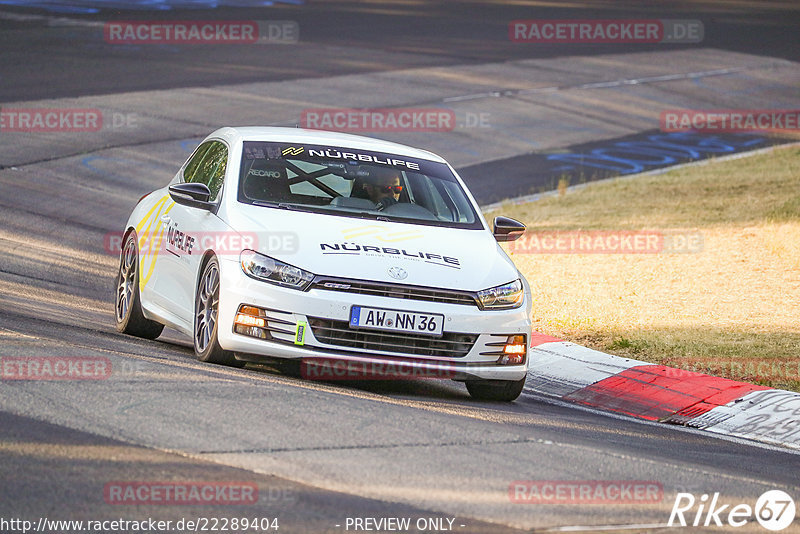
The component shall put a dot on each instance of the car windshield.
(354, 183)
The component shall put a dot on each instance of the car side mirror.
(194, 195)
(507, 229)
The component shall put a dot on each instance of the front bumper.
(288, 308)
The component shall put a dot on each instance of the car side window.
(207, 166)
(194, 161)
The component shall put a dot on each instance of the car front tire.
(206, 315)
(127, 303)
(495, 390)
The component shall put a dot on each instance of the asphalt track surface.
(322, 452)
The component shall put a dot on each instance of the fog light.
(514, 351)
(251, 331)
(249, 320)
(517, 359)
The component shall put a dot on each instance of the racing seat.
(358, 190)
(266, 180)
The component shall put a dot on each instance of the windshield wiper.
(369, 215)
(265, 204)
(279, 205)
(321, 209)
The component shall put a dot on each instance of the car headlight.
(275, 271)
(502, 297)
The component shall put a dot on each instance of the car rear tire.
(127, 303)
(206, 313)
(495, 390)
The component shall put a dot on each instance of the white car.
(285, 244)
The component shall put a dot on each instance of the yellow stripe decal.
(151, 238)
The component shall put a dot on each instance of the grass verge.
(729, 307)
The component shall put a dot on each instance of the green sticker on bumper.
(300, 334)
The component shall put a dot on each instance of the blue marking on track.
(660, 150)
(189, 145)
(90, 162)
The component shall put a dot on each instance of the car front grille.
(396, 291)
(449, 345)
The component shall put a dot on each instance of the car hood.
(383, 251)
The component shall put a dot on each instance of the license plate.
(430, 324)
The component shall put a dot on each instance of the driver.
(383, 187)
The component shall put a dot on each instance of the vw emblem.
(398, 273)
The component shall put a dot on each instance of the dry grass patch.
(725, 310)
